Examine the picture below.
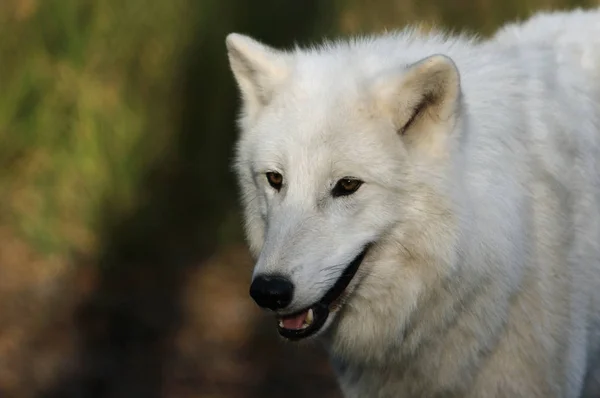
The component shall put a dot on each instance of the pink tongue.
(295, 322)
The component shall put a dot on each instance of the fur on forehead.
(261, 70)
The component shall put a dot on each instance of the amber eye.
(275, 179)
(346, 186)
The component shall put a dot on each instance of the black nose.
(272, 292)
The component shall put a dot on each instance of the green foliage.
(91, 95)
(84, 107)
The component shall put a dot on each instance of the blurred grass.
(87, 91)
(477, 16)
(85, 108)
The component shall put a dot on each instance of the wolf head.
(343, 162)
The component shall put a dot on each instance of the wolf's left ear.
(257, 68)
(423, 99)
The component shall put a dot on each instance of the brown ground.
(53, 345)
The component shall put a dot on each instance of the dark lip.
(321, 307)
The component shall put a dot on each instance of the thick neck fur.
(449, 288)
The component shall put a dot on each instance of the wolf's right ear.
(257, 68)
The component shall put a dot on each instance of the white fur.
(485, 277)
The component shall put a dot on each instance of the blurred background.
(123, 270)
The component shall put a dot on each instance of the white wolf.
(429, 206)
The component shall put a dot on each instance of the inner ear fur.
(426, 92)
(257, 68)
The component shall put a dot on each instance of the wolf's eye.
(275, 179)
(346, 186)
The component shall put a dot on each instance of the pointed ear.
(422, 100)
(257, 68)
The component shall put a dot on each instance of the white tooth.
(309, 317)
(281, 323)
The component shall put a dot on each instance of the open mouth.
(310, 320)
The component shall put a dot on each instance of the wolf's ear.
(422, 100)
(257, 68)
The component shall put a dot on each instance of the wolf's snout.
(272, 292)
